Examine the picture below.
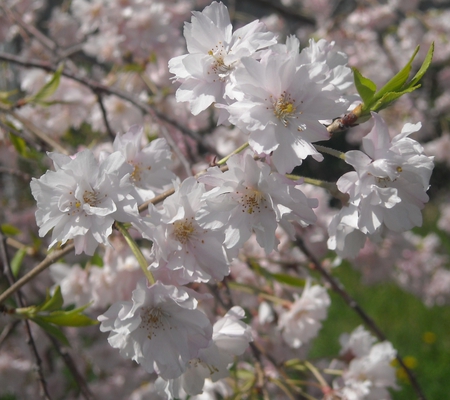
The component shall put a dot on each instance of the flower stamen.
(284, 108)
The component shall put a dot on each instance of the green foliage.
(47, 90)
(374, 100)
(17, 260)
(5, 97)
(10, 230)
(19, 144)
(52, 303)
(49, 315)
(289, 280)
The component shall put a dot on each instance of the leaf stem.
(136, 251)
(332, 152)
(238, 150)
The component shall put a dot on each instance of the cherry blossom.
(82, 199)
(214, 53)
(180, 244)
(248, 198)
(387, 189)
(160, 328)
(230, 338)
(279, 106)
(301, 322)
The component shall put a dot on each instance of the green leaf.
(4, 96)
(97, 260)
(10, 230)
(52, 330)
(365, 87)
(69, 318)
(49, 88)
(424, 67)
(396, 83)
(289, 280)
(19, 144)
(388, 98)
(16, 262)
(54, 302)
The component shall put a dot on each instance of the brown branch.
(97, 87)
(71, 366)
(49, 260)
(20, 301)
(340, 290)
(105, 116)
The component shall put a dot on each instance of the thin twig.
(7, 330)
(105, 116)
(15, 132)
(70, 364)
(20, 301)
(49, 260)
(39, 133)
(97, 87)
(339, 289)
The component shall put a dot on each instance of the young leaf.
(424, 67)
(68, 318)
(388, 98)
(16, 262)
(10, 230)
(48, 89)
(52, 330)
(365, 87)
(289, 280)
(396, 83)
(54, 302)
(4, 97)
(19, 144)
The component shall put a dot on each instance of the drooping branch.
(316, 265)
(97, 87)
(21, 302)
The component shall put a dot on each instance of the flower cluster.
(224, 236)
(387, 189)
(369, 372)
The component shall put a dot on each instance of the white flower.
(180, 244)
(161, 329)
(371, 375)
(82, 199)
(328, 65)
(214, 52)
(387, 189)
(369, 372)
(248, 198)
(279, 106)
(357, 344)
(150, 174)
(230, 338)
(302, 322)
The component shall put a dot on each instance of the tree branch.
(20, 301)
(340, 290)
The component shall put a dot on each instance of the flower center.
(184, 230)
(92, 198)
(284, 108)
(136, 175)
(152, 320)
(251, 201)
(218, 66)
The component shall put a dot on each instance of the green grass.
(404, 319)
